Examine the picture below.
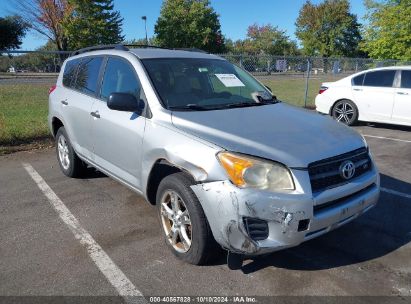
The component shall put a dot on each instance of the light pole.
(145, 26)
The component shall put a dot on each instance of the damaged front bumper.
(290, 218)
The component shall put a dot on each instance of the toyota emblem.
(347, 169)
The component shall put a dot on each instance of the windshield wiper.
(270, 101)
(190, 106)
(244, 104)
(240, 104)
(248, 104)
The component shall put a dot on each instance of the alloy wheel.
(176, 221)
(63, 152)
(344, 113)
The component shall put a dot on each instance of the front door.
(118, 135)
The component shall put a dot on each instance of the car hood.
(280, 132)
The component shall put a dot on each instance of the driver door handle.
(95, 114)
(357, 89)
(402, 93)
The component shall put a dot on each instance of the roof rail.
(100, 47)
(191, 50)
(166, 48)
(144, 46)
(125, 47)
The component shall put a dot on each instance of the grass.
(292, 90)
(23, 113)
(23, 108)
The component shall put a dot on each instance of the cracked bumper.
(226, 205)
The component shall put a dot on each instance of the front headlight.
(364, 141)
(245, 171)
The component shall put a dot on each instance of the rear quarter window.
(70, 72)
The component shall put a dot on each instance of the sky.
(235, 16)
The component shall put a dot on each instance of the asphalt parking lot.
(41, 255)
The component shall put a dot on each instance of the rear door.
(402, 104)
(78, 101)
(118, 135)
(375, 98)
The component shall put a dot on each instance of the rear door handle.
(357, 89)
(64, 102)
(95, 114)
(402, 93)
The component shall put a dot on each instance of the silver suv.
(225, 162)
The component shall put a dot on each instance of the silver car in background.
(226, 163)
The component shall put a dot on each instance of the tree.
(142, 41)
(189, 24)
(328, 29)
(93, 22)
(12, 31)
(388, 32)
(46, 17)
(267, 39)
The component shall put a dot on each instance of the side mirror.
(125, 102)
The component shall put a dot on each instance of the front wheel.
(345, 111)
(184, 224)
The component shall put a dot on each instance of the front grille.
(257, 229)
(341, 201)
(325, 174)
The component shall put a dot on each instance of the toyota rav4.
(224, 161)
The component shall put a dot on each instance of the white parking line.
(388, 138)
(390, 191)
(114, 275)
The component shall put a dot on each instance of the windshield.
(201, 84)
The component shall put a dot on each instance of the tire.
(70, 164)
(345, 111)
(203, 247)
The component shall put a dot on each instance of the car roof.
(148, 53)
(143, 52)
(395, 67)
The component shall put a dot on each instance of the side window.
(406, 79)
(358, 80)
(87, 75)
(380, 78)
(69, 72)
(119, 77)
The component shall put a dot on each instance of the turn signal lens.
(246, 171)
(322, 89)
(234, 167)
(52, 89)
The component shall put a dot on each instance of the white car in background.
(377, 95)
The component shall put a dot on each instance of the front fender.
(180, 150)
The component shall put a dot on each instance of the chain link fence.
(292, 79)
(297, 79)
(30, 66)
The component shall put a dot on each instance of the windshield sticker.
(230, 80)
(203, 70)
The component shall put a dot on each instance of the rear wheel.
(70, 164)
(184, 224)
(345, 111)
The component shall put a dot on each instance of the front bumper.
(226, 206)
